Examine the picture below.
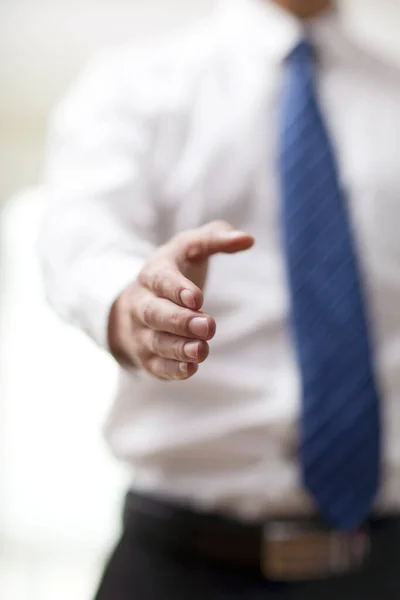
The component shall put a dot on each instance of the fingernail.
(199, 326)
(182, 367)
(191, 350)
(187, 299)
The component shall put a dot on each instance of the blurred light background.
(60, 491)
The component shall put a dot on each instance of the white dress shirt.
(155, 140)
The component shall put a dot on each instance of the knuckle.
(127, 302)
(142, 351)
(169, 370)
(165, 369)
(143, 275)
(220, 224)
(154, 366)
(182, 236)
(155, 342)
(147, 312)
(146, 274)
(195, 248)
(194, 245)
(159, 282)
(141, 356)
(151, 267)
(186, 239)
(178, 320)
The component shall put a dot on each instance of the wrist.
(120, 334)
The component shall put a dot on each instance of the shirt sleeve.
(100, 222)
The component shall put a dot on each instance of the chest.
(226, 165)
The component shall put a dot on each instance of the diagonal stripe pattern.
(339, 424)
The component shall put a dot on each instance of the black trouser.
(142, 569)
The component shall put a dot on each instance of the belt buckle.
(293, 551)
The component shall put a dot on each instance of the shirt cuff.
(100, 283)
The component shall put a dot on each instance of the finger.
(171, 370)
(174, 347)
(166, 281)
(160, 314)
(211, 239)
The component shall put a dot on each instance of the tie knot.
(303, 51)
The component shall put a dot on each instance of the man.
(267, 134)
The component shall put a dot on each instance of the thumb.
(213, 238)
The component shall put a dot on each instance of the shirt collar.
(264, 27)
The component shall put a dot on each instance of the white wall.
(43, 43)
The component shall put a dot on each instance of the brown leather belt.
(283, 550)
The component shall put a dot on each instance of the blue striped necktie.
(339, 422)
